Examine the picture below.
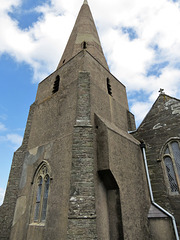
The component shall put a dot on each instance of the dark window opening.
(84, 45)
(56, 84)
(109, 87)
(64, 61)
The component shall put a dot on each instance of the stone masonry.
(78, 166)
(82, 214)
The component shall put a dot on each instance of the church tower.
(79, 174)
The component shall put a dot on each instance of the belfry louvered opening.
(84, 45)
(56, 84)
(109, 87)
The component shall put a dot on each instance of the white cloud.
(14, 139)
(7, 5)
(40, 45)
(141, 108)
(2, 127)
(156, 24)
(2, 192)
(3, 117)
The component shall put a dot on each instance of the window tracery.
(41, 192)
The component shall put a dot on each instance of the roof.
(84, 36)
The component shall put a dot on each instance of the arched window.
(41, 190)
(171, 157)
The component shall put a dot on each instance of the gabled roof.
(161, 97)
(84, 36)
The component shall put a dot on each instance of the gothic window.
(41, 191)
(171, 157)
(56, 84)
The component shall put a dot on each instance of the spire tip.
(85, 2)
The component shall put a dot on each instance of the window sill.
(41, 224)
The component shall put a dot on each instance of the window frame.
(43, 172)
(171, 156)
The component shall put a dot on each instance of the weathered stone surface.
(98, 187)
(82, 209)
(84, 36)
(161, 123)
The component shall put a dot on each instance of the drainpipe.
(142, 145)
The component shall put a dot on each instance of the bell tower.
(78, 173)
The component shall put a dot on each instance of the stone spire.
(84, 36)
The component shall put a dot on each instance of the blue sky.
(141, 41)
(25, 15)
(17, 93)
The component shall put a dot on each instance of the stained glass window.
(176, 154)
(42, 183)
(38, 199)
(45, 197)
(172, 163)
(171, 174)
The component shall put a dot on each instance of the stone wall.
(161, 123)
(82, 213)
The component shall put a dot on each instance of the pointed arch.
(43, 163)
(41, 185)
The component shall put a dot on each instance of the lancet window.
(171, 157)
(41, 192)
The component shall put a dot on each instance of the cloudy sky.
(140, 38)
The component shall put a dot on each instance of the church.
(83, 170)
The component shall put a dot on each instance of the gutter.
(142, 145)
